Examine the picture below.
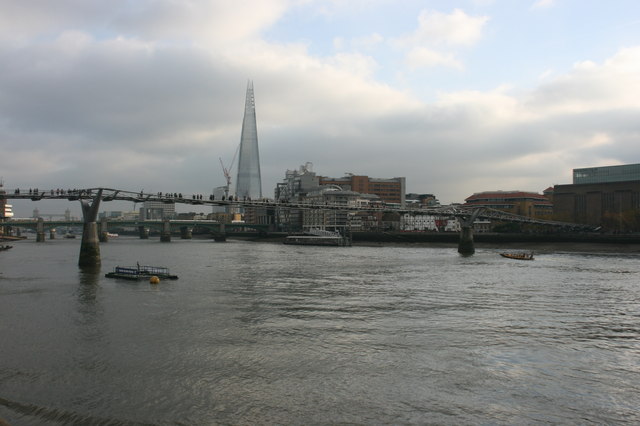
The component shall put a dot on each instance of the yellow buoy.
(154, 280)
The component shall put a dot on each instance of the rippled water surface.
(263, 333)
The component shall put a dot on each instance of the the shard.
(248, 182)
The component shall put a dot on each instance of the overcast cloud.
(457, 97)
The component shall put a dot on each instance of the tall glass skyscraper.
(248, 182)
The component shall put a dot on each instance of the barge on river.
(140, 272)
(318, 237)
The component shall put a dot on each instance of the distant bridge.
(109, 194)
(217, 228)
(90, 199)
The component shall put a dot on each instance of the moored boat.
(518, 256)
(139, 272)
(3, 248)
(318, 237)
(313, 240)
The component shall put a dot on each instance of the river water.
(265, 333)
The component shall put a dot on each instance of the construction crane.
(227, 172)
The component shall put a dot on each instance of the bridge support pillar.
(103, 233)
(52, 234)
(465, 246)
(90, 246)
(186, 233)
(219, 236)
(165, 234)
(143, 232)
(40, 231)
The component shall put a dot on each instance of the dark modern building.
(603, 196)
(622, 173)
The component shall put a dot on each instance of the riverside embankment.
(492, 237)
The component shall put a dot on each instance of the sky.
(457, 96)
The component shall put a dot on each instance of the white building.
(8, 212)
(157, 210)
(453, 225)
(333, 220)
(418, 222)
(220, 192)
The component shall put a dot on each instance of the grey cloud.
(157, 116)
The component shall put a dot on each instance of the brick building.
(522, 203)
(390, 191)
(607, 196)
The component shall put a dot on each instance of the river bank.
(454, 237)
(492, 237)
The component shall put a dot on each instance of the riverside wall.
(491, 237)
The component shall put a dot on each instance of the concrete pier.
(143, 232)
(465, 246)
(186, 233)
(52, 234)
(90, 246)
(219, 236)
(40, 231)
(165, 234)
(103, 232)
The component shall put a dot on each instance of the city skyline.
(458, 97)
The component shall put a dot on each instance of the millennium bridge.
(90, 199)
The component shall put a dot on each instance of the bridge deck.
(109, 194)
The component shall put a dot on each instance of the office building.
(297, 183)
(304, 185)
(331, 220)
(621, 173)
(219, 193)
(294, 188)
(157, 210)
(390, 191)
(248, 181)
